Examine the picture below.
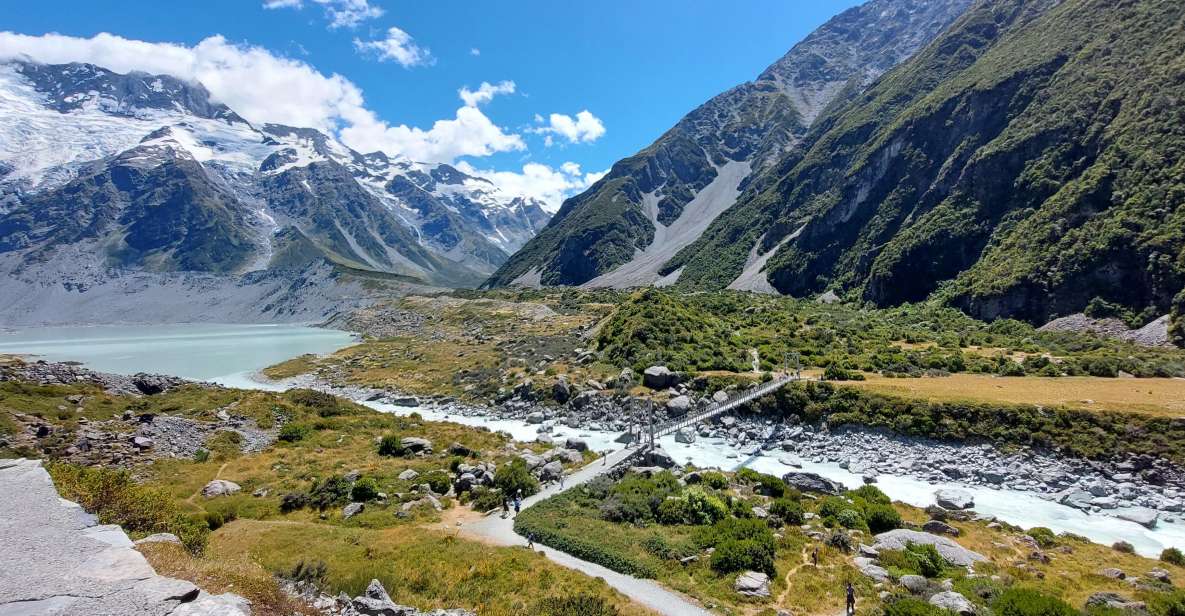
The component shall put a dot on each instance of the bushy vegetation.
(1173, 556)
(909, 606)
(715, 331)
(514, 478)
(578, 605)
(915, 559)
(116, 498)
(740, 544)
(392, 446)
(1028, 602)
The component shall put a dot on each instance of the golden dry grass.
(1158, 397)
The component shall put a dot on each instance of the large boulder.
(954, 553)
(938, 527)
(658, 377)
(352, 510)
(720, 397)
(561, 391)
(1140, 515)
(678, 406)
(915, 584)
(416, 444)
(551, 471)
(811, 482)
(1114, 601)
(660, 458)
(868, 567)
(578, 444)
(954, 499)
(953, 601)
(220, 487)
(408, 475)
(752, 584)
(685, 435)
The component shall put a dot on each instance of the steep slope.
(147, 172)
(658, 201)
(1028, 161)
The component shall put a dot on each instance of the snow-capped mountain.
(145, 172)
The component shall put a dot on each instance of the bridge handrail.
(731, 402)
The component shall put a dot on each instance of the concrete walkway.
(494, 529)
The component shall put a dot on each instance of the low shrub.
(881, 518)
(1044, 537)
(743, 555)
(438, 480)
(293, 501)
(576, 605)
(312, 572)
(116, 498)
(1028, 602)
(790, 511)
(850, 518)
(1173, 556)
(391, 446)
(514, 478)
(293, 432)
(714, 480)
(909, 606)
(325, 405)
(330, 492)
(915, 559)
(365, 490)
(537, 521)
(1123, 547)
(485, 499)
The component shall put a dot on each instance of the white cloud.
(485, 92)
(398, 46)
(339, 13)
(539, 181)
(263, 87)
(473, 51)
(584, 128)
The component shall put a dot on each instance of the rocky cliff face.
(1005, 170)
(144, 172)
(638, 216)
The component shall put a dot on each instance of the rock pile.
(374, 602)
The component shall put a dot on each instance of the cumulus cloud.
(485, 92)
(539, 181)
(397, 46)
(584, 128)
(473, 51)
(263, 87)
(339, 13)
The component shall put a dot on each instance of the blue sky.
(635, 67)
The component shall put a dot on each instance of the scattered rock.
(352, 510)
(953, 601)
(811, 482)
(408, 475)
(1140, 515)
(1113, 601)
(159, 538)
(915, 584)
(950, 550)
(220, 487)
(658, 377)
(1113, 573)
(752, 584)
(939, 527)
(954, 499)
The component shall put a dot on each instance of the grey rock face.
(1140, 515)
(658, 377)
(950, 550)
(811, 482)
(56, 560)
(954, 499)
(678, 406)
(352, 510)
(220, 487)
(752, 584)
(953, 601)
(416, 444)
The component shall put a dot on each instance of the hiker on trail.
(518, 502)
(851, 600)
(561, 481)
(531, 541)
(505, 507)
(815, 556)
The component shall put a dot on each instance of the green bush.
(1029, 602)
(909, 606)
(485, 499)
(714, 480)
(636, 499)
(1044, 537)
(790, 511)
(539, 521)
(514, 478)
(292, 432)
(438, 480)
(330, 492)
(1167, 603)
(576, 605)
(1173, 556)
(365, 490)
(672, 511)
(293, 501)
(916, 559)
(115, 498)
(741, 555)
(850, 518)
(392, 446)
(325, 405)
(870, 494)
(881, 518)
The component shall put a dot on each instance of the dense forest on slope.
(1025, 163)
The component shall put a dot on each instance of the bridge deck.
(737, 399)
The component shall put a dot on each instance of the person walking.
(561, 481)
(517, 505)
(815, 556)
(505, 507)
(851, 600)
(531, 541)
